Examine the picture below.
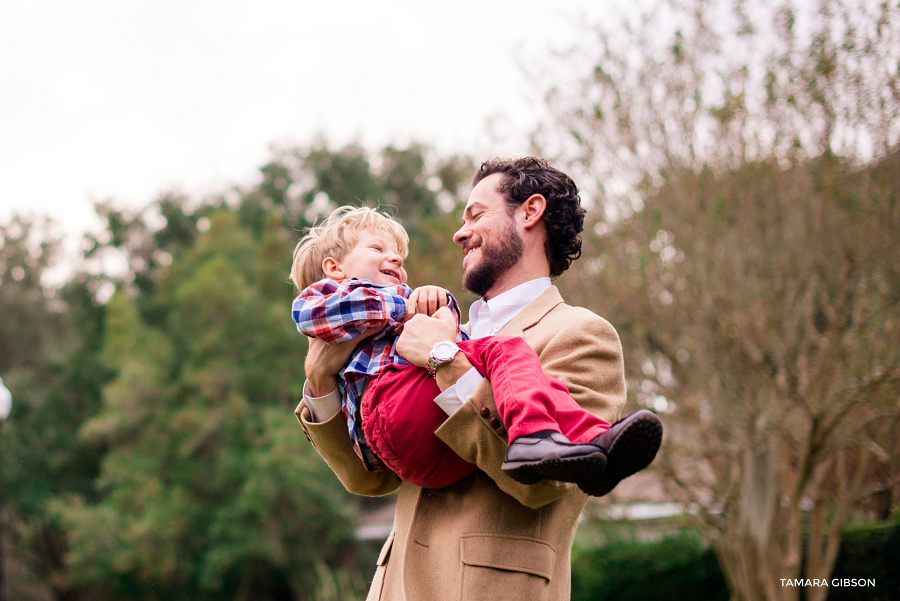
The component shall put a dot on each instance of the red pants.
(399, 415)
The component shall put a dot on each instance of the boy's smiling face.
(374, 257)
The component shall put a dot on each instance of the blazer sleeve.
(586, 354)
(332, 442)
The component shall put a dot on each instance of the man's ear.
(533, 209)
(332, 269)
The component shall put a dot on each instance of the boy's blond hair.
(336, 236)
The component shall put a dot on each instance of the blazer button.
(485, 412)
(495, 423)
(501, 431)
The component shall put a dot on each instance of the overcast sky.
(106, 98)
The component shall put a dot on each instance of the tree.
(421, 189)
(49, 358)
(205, 486)
(153, 452)
(748, 259)
(29, 247)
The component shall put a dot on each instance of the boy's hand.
(426, 300)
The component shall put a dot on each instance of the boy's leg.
(399, 417)
(532, 403)
(527, 399)
(540, 416)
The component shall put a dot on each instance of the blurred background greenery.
(741, 169)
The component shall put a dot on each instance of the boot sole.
(633, 449)
(553, 467)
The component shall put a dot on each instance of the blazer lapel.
(533, 312)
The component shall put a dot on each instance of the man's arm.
(321, 408)
(578, 347)
(322, 363)
(328, 433)
(585, 353)
(331, 440)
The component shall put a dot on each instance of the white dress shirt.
(321, 408)
(486, 318)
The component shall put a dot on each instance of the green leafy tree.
(206, 486)
(51, 362)
(152, 452)
(421, 189)
(29, 247)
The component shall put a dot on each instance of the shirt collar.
(489, 317)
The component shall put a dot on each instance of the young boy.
(349, 271)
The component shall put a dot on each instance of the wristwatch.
(442, 352)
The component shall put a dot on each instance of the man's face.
(491, 244)
(374, 257)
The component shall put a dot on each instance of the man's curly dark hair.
(563, 217)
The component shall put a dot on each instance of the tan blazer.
(487, 536)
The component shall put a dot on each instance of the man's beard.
(496, 259)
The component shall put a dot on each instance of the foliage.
(677, 567)
(152, 452)
(683, 567)
(869, 551)
(49, 357)
(28, 248)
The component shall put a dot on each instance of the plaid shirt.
(338, 311)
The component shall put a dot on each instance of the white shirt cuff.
(322, 408)
(453, 397)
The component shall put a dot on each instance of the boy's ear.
(332, 269)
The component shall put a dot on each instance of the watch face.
(444, 351)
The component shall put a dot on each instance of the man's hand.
(426, 300)
(421, 332)
(323, 361)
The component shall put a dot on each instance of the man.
(486, 536)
